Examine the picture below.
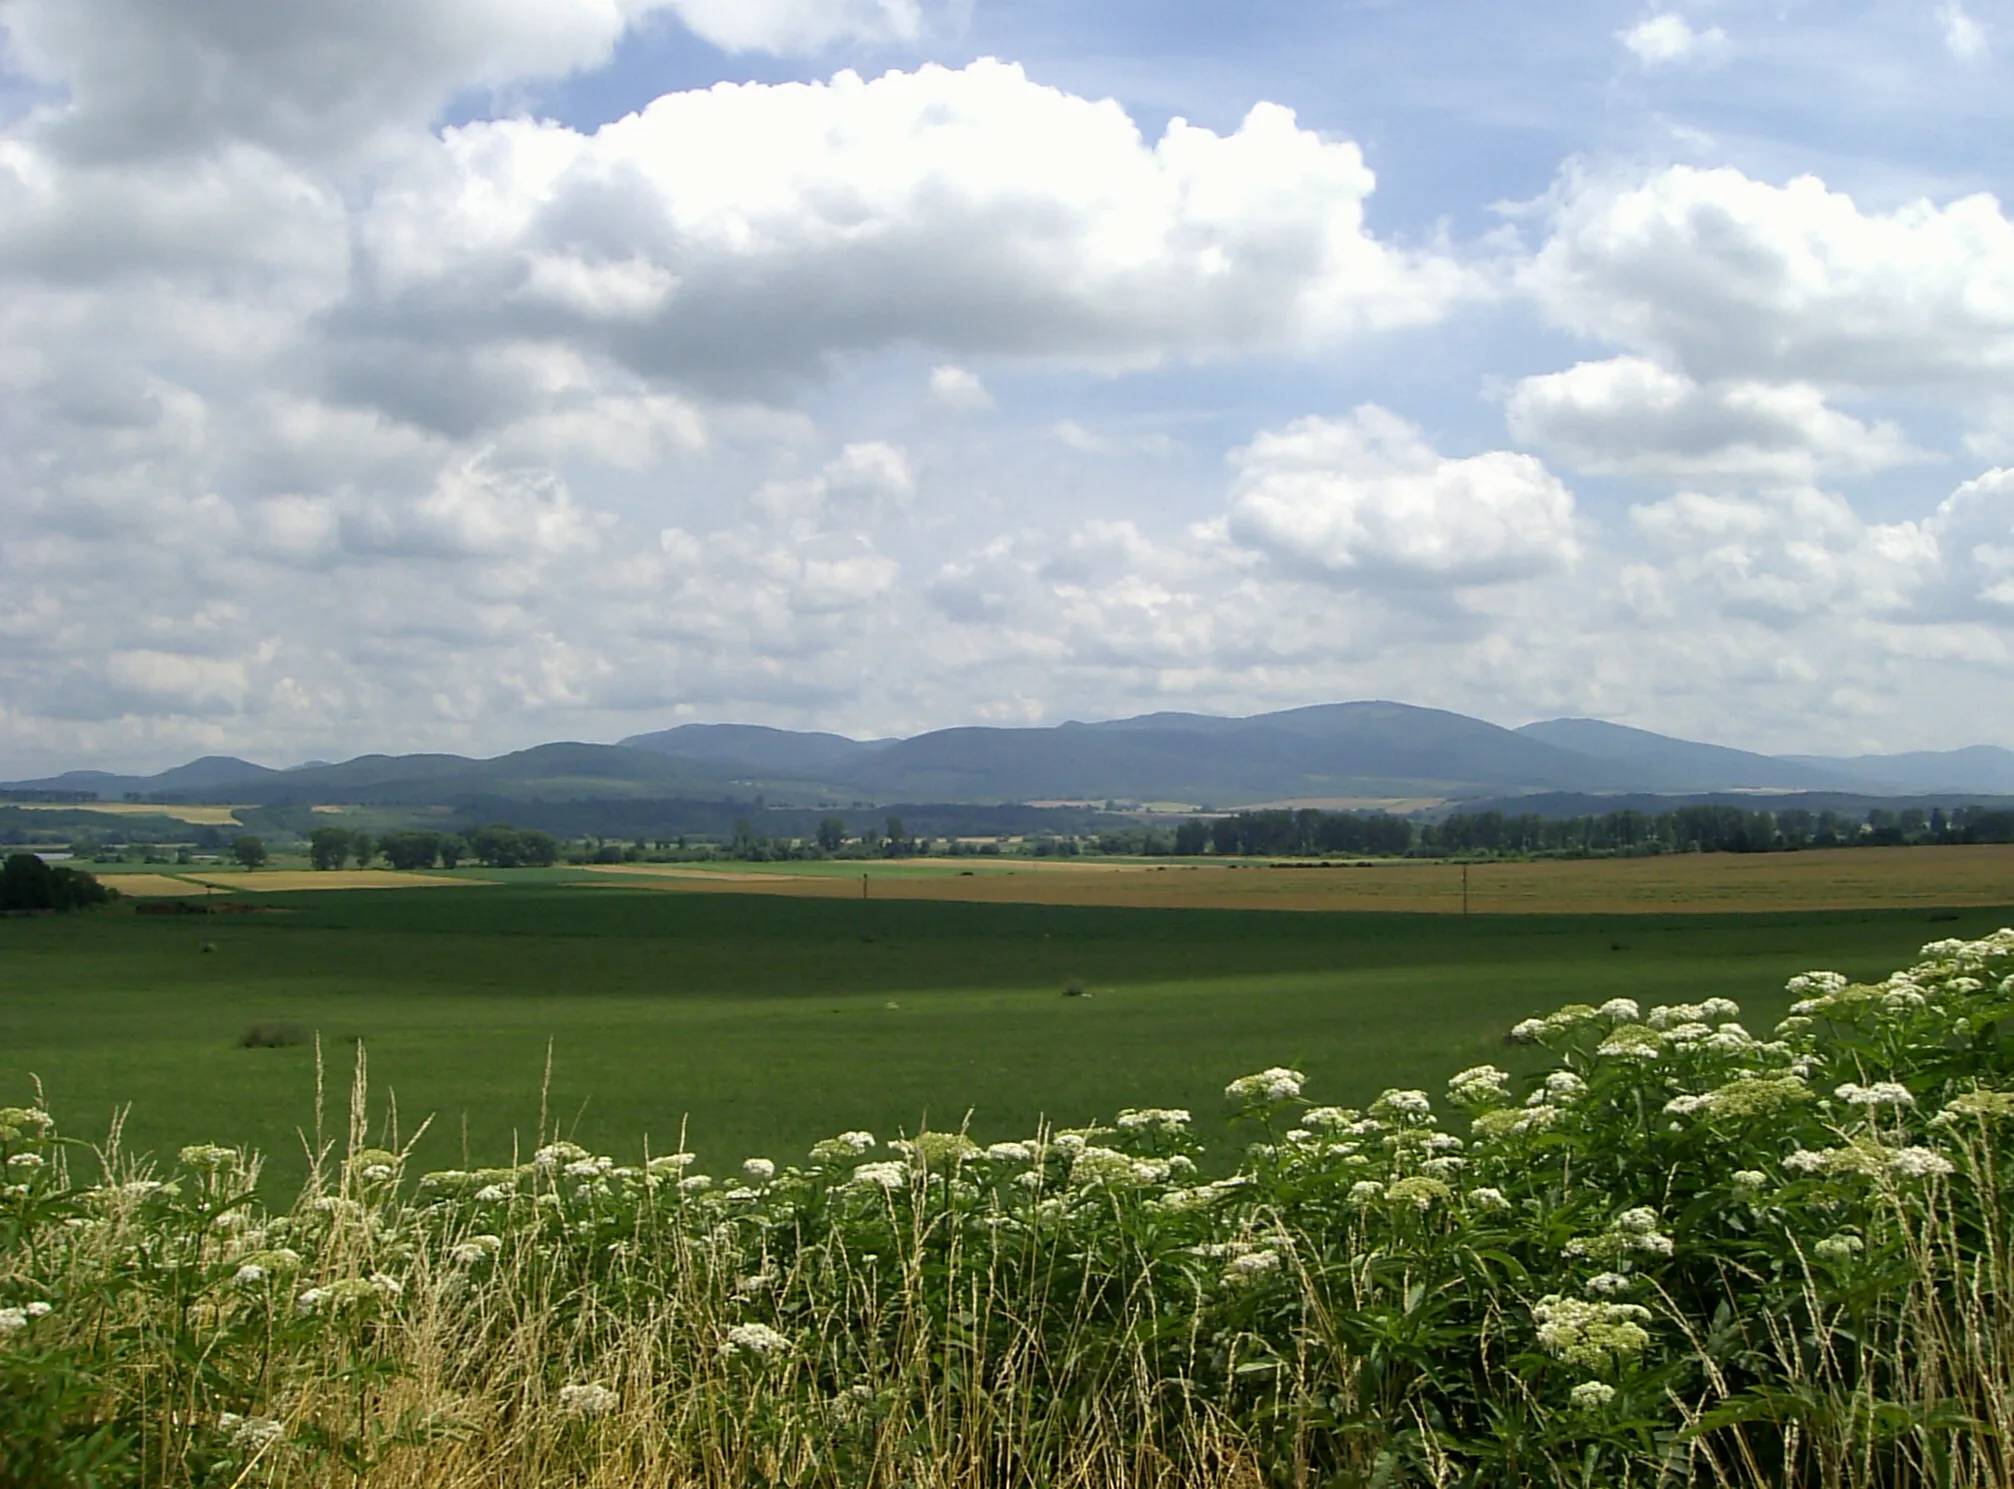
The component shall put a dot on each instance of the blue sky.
(461, 374)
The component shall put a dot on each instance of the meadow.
(761, 1022)
(1671, 1252)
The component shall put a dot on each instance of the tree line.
(498, 846)
(1691, 829)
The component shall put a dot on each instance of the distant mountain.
(1682, 765)
(1343, 749)
(758, 750)
(1974, 768)
(1336, 750)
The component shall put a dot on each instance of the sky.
(465, 374)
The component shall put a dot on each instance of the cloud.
(143, 79)
(1659, 40)
(1366, 499)
(958, 391)
(1074, 436)
(788, 26)
(1728, 278)
(1964, 37)
(1797, 554)
(747, 232)
(1629, 416)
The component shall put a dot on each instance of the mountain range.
(1329, 752)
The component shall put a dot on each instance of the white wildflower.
(1608, 1284)
(1011, 1152)
(1528, 1031)
(671, 1163)
(25, 1163)
(1328, 1118)
(1366, 1192)
(1748, 1182)
(1162, 1119)
(208, 1155)
(468, 1252)
(1591, 1395)
(1590, 1333)
(886, 1175)
(1620, 1010)
(758, 1170)
(741, 1196)
(1479, 1084)
(695, 1184)
(1488, 1199)
(1919, 1163)
(249, 1434)
(1838, 1249)
(586, 1401)
(251, 1274)
(1395, 1103)
(1271, 1085)
(755, 1339)
(312, 1299)
(1684, 1034)
(846, 1145)
(1881, 1093)
(12, 1320)
(1564, 1085)
(1251, 1267)
(491, 1194)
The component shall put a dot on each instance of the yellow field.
(149, 886)
(1845, 878)
(195, 816)
(288, 879)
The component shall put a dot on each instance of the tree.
(410, 850)
(453, 851)
(898, 840)
(27, 883)
(362, 849)
(831, 833)
(329, 847)
(249, 851)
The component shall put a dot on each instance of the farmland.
(770, 1019)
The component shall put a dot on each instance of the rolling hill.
(1329, 751)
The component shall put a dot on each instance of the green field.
(767, 1022)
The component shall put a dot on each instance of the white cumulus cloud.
(1367, 497)
(1630, 416)
(1726, 277)
(1661, 39)
(745, 231)
(958, 390)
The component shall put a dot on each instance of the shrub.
(272, 1036)
(1683, 1255)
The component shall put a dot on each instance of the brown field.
(194, 816)
(288, 879)
(1845, 878)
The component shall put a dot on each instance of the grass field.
(771, 1020)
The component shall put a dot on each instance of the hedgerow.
(1685, 1254)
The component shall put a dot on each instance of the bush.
(1683, 1255)
(272, 1036)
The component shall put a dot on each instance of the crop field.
(1846, 878)
(761, 1022)
(197, 816)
